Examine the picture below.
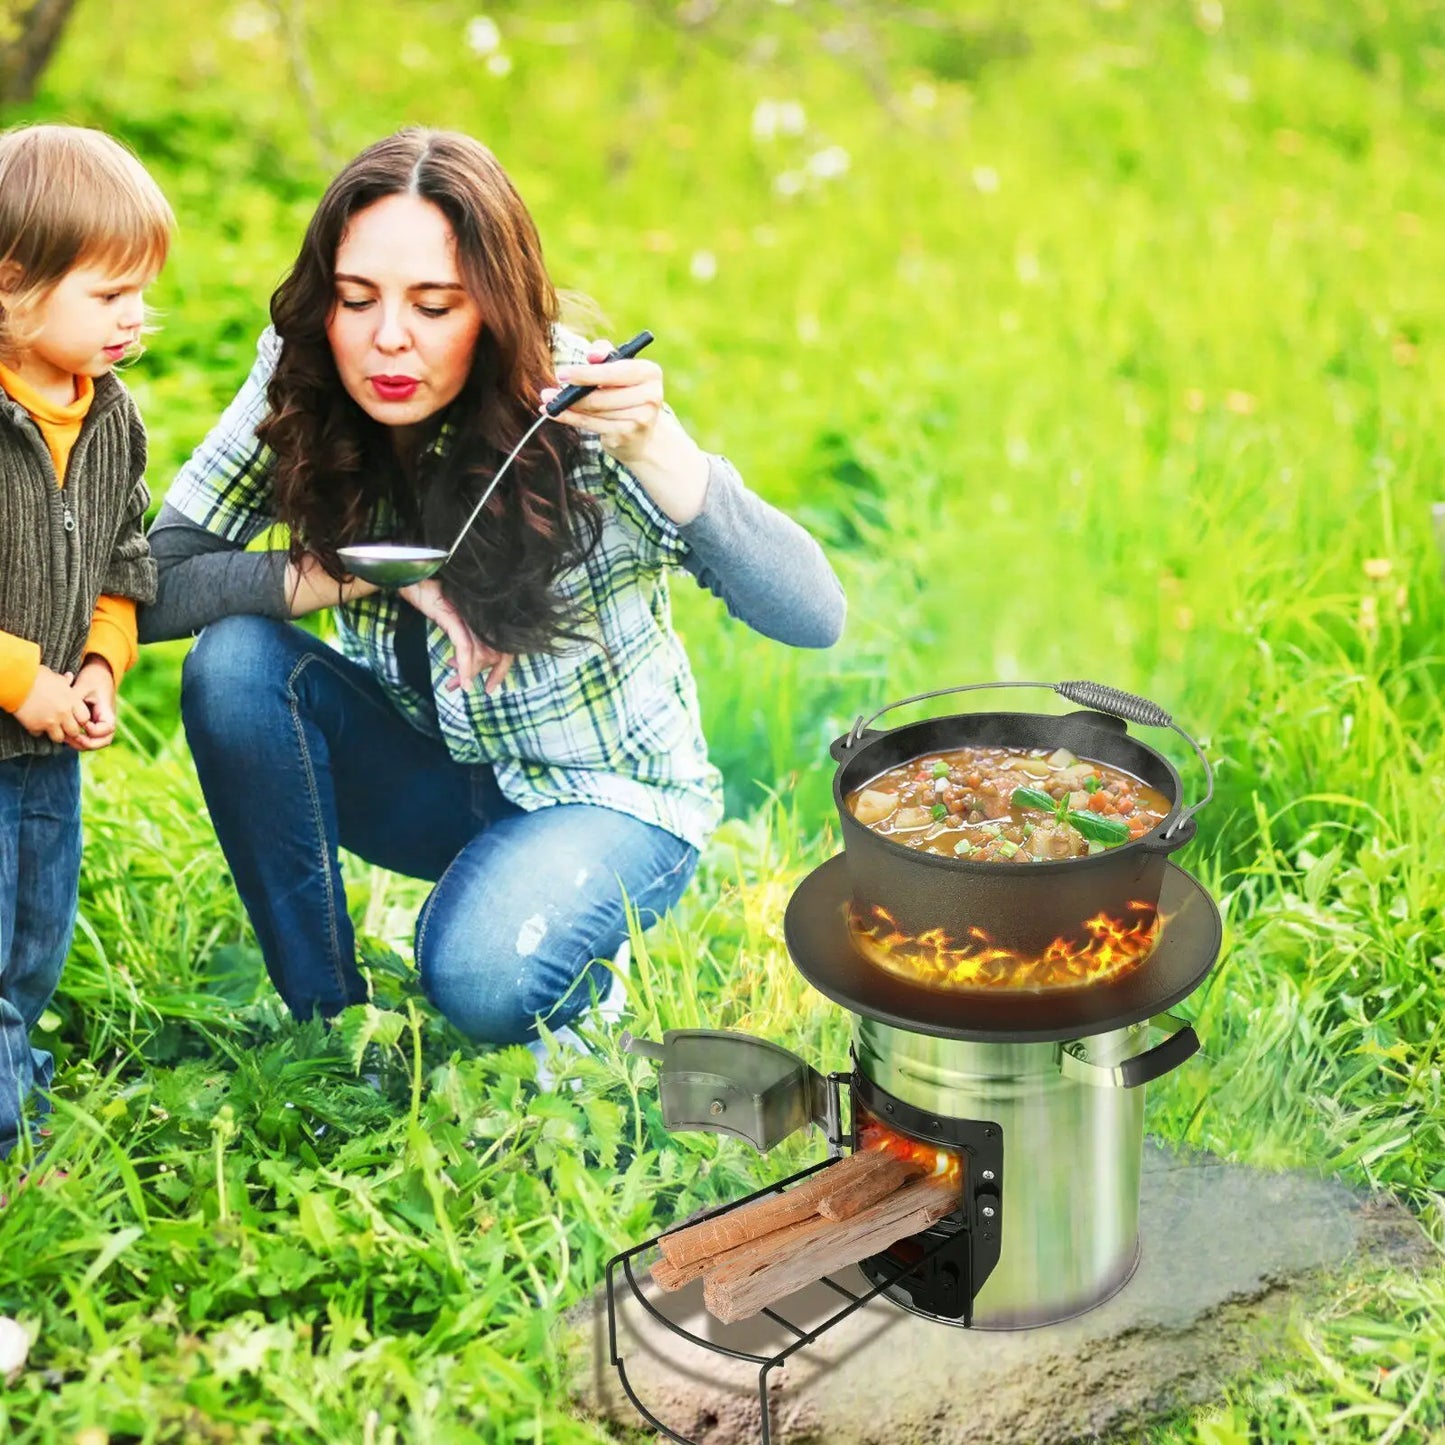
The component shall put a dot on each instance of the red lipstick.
(394, 388)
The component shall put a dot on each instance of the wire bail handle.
(1127, 706)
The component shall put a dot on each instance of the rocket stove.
(1024, 1080)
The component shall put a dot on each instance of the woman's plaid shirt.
(620, 731)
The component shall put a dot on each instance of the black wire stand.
(766, 1363)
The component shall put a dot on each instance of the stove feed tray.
(816, 930)
(621, 1276)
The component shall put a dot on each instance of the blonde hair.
(71, 197)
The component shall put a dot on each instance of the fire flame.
(935, 960)
(874, 1134)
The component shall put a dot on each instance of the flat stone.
(1227, 1253)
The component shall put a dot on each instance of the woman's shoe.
(609, 1013)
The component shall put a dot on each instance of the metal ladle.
(394, 564)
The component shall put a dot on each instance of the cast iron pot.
(1020, 906)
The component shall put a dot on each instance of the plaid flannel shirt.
(576, 727)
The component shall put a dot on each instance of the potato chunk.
(872, 806)
(907, 818)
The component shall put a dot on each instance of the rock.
(1227, 1253)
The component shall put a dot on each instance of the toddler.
(83, 231)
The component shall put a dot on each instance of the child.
(83, 230)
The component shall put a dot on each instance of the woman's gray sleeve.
(203, 578)
(766, 568)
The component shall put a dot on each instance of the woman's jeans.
(299, 751)
(39, 882)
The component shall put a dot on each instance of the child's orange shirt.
(113, 633)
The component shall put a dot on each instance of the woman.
(412, 344)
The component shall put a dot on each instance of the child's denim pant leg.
(39, 881)
(301, 754)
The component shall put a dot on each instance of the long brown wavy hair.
(337, 479)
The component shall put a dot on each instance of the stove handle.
(1181, 1045)
(1096, 695)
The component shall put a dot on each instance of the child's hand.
(53, 708)
(96, 685)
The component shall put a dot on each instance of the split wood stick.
(773, 1267)
(849, 1198)
(763, 1216)
(759, 1254)
(668, 1276)
(855, 1195)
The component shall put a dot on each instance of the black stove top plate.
(815, 928)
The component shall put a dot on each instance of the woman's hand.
(472, 655)
(627, 415)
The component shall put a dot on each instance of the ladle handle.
(570, 395)
(1095, 695)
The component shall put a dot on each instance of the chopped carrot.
(1098, 802)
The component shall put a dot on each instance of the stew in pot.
(990, 804)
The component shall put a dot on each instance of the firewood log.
(855, 1195)
(763, 1216)
(770, 1268)
(859, 1190)
(668, 1276)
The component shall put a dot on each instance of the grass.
(1112, 351)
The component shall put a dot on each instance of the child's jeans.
(39, 882)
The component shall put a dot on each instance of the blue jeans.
(298, 751)
(39, 886)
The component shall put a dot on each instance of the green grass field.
(1094, 340)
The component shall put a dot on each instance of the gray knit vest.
(60, 549)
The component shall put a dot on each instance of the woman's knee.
(227, 671)
(476, 991)
(494, 987)
(513, 928)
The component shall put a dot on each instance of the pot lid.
(815, 928)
